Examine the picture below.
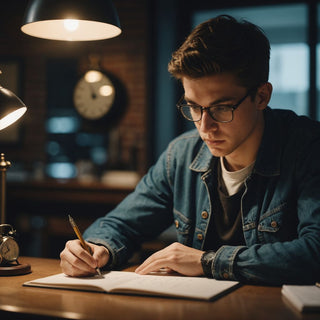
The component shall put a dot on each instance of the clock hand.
(93, 94)
(7, 249)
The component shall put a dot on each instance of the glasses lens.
(218, 113)
(221, 114)
(192, 113)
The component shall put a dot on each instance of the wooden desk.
(246, 302)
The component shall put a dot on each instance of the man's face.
(238, 140)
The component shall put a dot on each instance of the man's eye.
(194, 108)
(222, 108)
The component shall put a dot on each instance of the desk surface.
(246, 302)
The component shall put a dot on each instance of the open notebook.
(132, 283)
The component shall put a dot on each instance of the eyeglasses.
(220, 112)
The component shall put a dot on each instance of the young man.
(243, 188)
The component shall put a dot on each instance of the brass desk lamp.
(11, 109)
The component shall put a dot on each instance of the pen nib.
(99, 272)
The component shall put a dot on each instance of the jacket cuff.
(224, 262)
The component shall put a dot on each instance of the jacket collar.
(269, 154)
(270, 151)
(203, 159)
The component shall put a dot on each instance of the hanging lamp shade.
(71, 20)
(11, 108)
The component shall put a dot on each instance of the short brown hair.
(224, 45)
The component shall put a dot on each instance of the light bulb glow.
(93, 76)
(106, 91)
(71, 24)
(56, 30)
(12, 117)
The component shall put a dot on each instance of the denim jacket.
(280, 206)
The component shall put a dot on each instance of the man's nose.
(207, 122)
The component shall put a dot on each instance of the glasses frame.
(179, 105)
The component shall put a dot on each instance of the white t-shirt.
(234, 180)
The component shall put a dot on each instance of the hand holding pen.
(83, 243)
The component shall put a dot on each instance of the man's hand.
(176, 257)
(75, 261)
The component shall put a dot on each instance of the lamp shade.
(71, 20)
(11, 108)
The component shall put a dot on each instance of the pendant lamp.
(71, 20)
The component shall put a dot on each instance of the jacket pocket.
(271, 223)
(183, 227)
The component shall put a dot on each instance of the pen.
(83, 243)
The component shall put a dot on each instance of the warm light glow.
(71, 24)
(106, 90)
(93, 76)
(12, 117)
(86, 30)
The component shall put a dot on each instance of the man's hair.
(224, 45)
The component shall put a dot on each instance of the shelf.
(68, 191)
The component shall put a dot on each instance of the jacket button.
(225, 275)
(200, 236)
(176, 222)
(204, 214)
(274, 224)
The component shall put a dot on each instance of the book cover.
(303, 298)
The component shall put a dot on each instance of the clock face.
(94, 95)
(9, 249)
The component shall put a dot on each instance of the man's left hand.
(176, 257)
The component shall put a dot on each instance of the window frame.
(312, 35)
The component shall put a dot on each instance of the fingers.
(73, 271)
(75, 261)
(100, 254)
(176, 257)
(163, 259)
(159, 265)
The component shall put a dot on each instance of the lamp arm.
(4, 165)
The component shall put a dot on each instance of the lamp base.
(15, 269)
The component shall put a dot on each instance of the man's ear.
(263, 95)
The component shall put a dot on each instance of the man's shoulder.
(291, 116)
(295, 124)
(185, 145)
(295, 134)
(191, 136)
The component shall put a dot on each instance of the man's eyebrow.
(220, 100)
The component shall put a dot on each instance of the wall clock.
(94, 95)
